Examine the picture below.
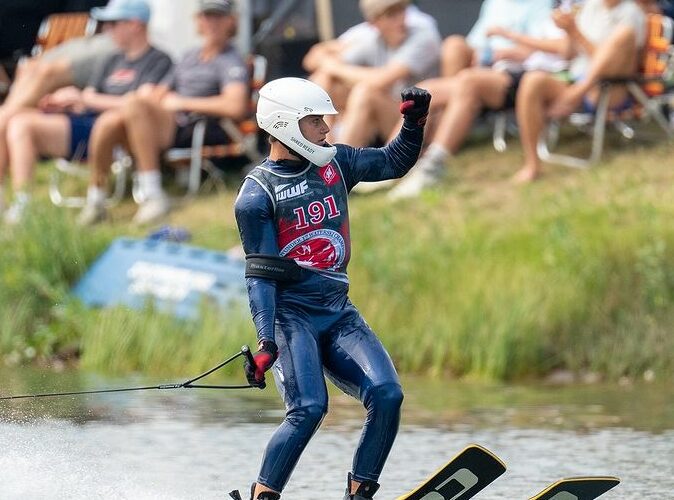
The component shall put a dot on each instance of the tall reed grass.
(477, 279)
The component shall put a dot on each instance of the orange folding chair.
(58, 28)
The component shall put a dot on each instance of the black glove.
(414, 105)
(264, 359)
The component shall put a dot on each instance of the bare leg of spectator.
(537, 91)
(370, 113)
(151, 130)
(456, 55)
(617, 56)
(108, 131)
(470, 91)
(34, 80)
(31, 134)
(541, 95)
(474, 90)
(440, 89)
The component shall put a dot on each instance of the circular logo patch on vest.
(322, 249)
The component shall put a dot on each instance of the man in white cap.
(401, 48)
(32, 133)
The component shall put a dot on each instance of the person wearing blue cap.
(33, 133)
(123, 10)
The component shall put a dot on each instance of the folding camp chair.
(244, 138)
(647, 89)
(58, 28)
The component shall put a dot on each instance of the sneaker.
(152, 210)
(14, 214)
(425, 174)
(371, 187)
(92, 214)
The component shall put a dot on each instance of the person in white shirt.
(364, 70)
(602, 40)
(463, 97)
(478, 48)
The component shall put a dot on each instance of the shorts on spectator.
(509, 102)
(80, 130)
(214, 135)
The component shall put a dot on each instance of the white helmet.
(283, 103)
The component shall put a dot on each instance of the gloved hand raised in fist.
(414, 105)
(264, 358)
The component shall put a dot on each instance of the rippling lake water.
(192, 444)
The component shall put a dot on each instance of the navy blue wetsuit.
(300, 210)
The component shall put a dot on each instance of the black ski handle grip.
(249, 357)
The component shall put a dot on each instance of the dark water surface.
(197, 444)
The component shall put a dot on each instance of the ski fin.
(578, 488)
(461, 478)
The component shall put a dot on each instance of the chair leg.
(598, 135)
(62, 168)
(500, 124)
(652, 108)
(215, 179)
(196, 160)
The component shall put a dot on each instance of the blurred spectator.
(479, 49)
(19, 23)
(71, 63)
(470, 92)
(360, 34)
(32, 133)
(603, 40)
(211, 80)
(367, 67)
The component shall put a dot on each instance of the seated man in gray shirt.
(58, 134)
(371, 63)
(211, 80)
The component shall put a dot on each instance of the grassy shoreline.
(478, 279)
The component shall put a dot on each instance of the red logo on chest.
(329, 174)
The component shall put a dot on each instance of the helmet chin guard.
(283, 103)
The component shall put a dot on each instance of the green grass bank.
(477, 279)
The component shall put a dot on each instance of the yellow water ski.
(462, 477)
(578, 488)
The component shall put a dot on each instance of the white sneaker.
(14, 214)
(152, 210)
(91, 214)
(371, 187)
(425, 174)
